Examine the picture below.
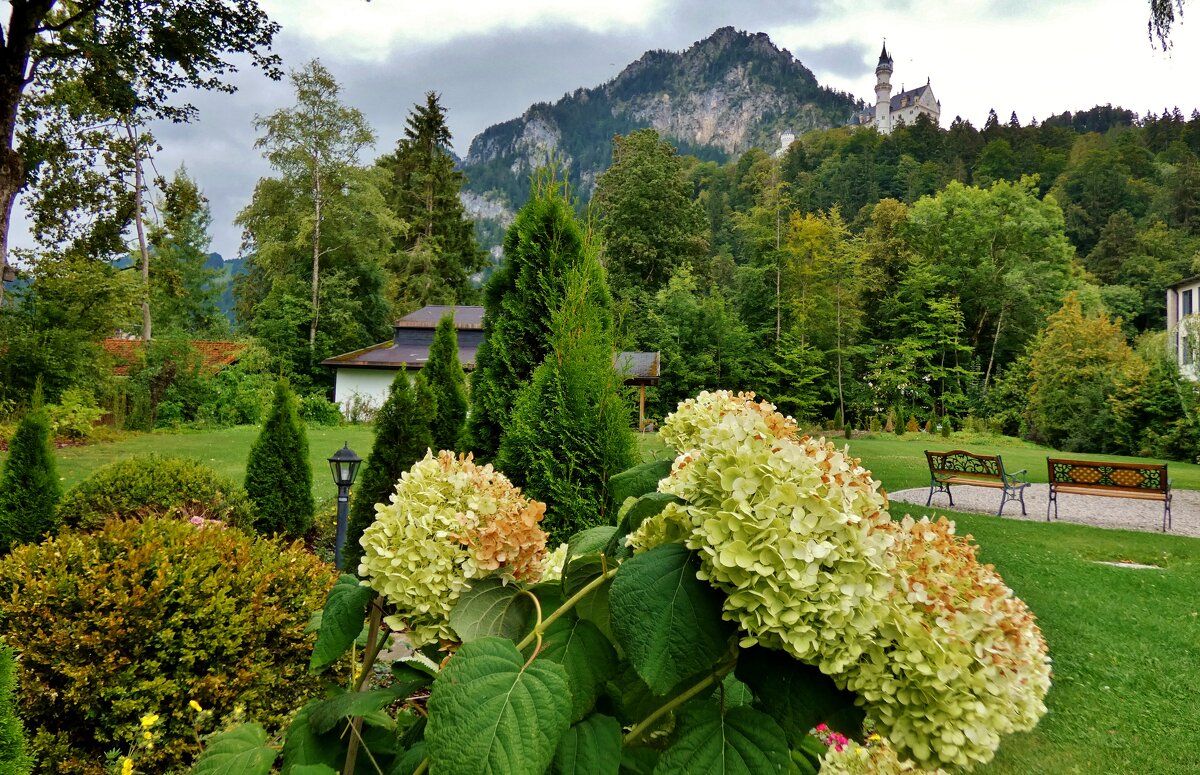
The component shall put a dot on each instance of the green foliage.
(570, 426)
(14, 760)
(154, 486)
(142, 617)
(737, 741)
(316, 409)
(341, 620)
(655, 599)
(543, 244)
(1076, 368)
(493, 713)
(29, 485)
(278, 475)
(402, 437)
(242, 750)
(436, 255)
(319, 235)
(448, 383)
(184, 294)
(75, 414)
(648, 219)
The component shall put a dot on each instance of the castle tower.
(883, 92)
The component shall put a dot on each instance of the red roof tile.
(214, 355)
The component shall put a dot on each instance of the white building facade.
(1183, 327)
(899, 109)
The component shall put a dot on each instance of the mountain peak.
(731, 91)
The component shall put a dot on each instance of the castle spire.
(884, 58)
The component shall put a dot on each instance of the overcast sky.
(490, 60)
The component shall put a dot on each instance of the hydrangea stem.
(571, 602)
(705, 682)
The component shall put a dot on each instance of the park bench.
(1145, 481)
(962, 467)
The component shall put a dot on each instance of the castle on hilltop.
(891, 110)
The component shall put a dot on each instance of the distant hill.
(727, 93)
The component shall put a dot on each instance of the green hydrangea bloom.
(448, 521)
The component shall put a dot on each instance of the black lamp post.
(344, 465)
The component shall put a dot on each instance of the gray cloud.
(849, 60)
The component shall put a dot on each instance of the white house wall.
(367, 385)
(1182, 326)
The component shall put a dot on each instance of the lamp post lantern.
(344, 465)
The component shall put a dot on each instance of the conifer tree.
(14, 760)
(29, 485)
(437, 253)
(448, 383)
(278, 474)
(570, 427)
(543, 243)
(402, 437)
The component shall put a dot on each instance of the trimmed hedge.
(143, 617)
(151, 485)
(14, 760)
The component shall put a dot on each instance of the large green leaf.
(741, 741)
(797, 695)
(242, 750)
(491, 714)
(341, 621)
(586, 655)
(637, 481)
(491, 607)
(590, 541)
(305, 747)
(591, 747)
(311, 769)
(667, 621)
(325, 715)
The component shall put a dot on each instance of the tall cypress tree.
(402, 437)
(29, 485)
(570, 427)
(14, 759)
(543, 243)
(448, 383)
(437, 253)
(278, 474)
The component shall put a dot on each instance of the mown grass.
(225, 449)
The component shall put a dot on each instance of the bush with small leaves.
(142, 617)
(14, 760)
(151, 485)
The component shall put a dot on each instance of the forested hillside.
(861, 275)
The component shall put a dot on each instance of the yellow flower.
(195, 706)
(149, 720)
(126, 765)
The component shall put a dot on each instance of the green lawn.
(225, 449)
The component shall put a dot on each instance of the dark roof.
(884, 59)
(638, 368)
(214, 355)
(1185, 281)
(389, 355)
(465, 317)
(913, 94)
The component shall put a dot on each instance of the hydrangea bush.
(448, 521)
(754, 587)
(945, 658)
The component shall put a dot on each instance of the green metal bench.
(966, 468)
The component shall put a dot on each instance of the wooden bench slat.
(1148, 495)
(1150, 482)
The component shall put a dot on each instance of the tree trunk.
(23, 22)
(139, 223)
(992, 358)
(841, 395)
(316, 255)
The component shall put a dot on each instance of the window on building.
(1187, 351)
(1186, 300)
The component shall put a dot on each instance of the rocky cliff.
(725, 94)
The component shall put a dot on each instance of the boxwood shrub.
(152, 485)
(143, 617)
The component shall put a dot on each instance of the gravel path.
(1123, 513)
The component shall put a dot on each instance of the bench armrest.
(1016, 474)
